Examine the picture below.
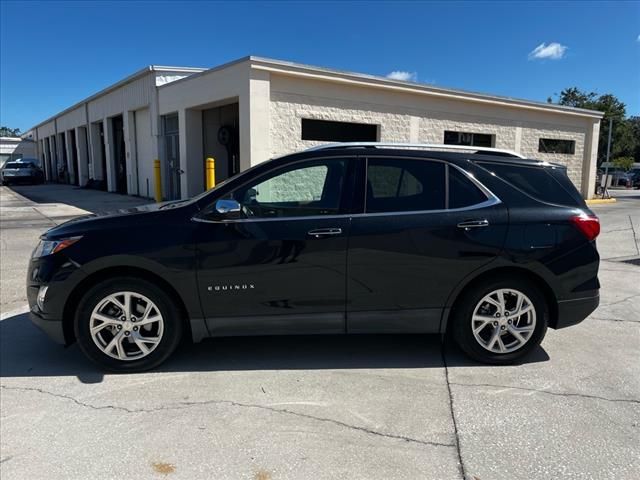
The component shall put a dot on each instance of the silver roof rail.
(416, 146)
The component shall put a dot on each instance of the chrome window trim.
(488, 203)
(491, 200)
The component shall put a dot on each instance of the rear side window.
(404, 185)
(18, 165)
(539, 183)
(462, 192)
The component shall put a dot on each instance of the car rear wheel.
(501, 321)
(127, 325)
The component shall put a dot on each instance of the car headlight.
(49, 247)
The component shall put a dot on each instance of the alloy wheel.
(126, 325)
(503, 321)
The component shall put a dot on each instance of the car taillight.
(589, 225)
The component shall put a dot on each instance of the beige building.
(253, 109)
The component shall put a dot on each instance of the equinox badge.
(231, 287)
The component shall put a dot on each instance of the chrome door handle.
(324, 232)
(473, 224)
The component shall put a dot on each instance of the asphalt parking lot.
(360, 407)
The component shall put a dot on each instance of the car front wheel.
(127, 325)
(500, 322)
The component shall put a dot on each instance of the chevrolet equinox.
(482, 245)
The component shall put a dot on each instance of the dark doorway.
(103, 157)
(54, 158)
(47, 157)
(220, 127)
(119, 155)
(172, 156)
(64, 168)
(75, 178)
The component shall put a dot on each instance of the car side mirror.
(228, 208)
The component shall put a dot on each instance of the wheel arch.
(111, 272)
(501, 272)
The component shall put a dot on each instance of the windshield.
(18, 165)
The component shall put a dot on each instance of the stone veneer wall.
(402, 124)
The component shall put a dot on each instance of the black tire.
(462, 325)
(173, 326)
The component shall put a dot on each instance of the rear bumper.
(571, 312)
(53, 328)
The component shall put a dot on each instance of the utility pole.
(606, 168)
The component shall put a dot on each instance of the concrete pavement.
(356, 407)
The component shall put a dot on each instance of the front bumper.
(572, 312)
(60, 276)
(53, 328)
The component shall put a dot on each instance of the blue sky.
(53, 54)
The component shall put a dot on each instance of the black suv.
(481, 245)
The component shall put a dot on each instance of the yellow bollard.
(210, 173)
(157, 180)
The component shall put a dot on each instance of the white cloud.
(404, 76)
(638, 39)
(553, 51)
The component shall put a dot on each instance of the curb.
(600, 201)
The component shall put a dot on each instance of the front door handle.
(324, 232)
(474, 224)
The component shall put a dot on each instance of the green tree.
(625, 140)
(9, 132)
(625, 163)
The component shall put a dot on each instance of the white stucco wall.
(144, 150)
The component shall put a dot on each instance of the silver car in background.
(21, 171)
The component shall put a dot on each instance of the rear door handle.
(324, 232)
(474, 224)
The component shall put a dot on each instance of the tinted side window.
(309, 188)
(462, 191)
(536, 182)
(401, 185)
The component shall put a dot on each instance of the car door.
(424, 227)
(281, 266)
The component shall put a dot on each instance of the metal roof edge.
(209, 70)
(134, 76)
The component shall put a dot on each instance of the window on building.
(328, 131)
(171, 123)
(402, 185)
(467, 138)
(552, 145)
(310, 188)
(462, 191)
